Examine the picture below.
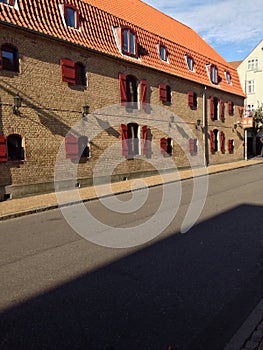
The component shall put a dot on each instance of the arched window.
(80, 74)
(15, 150)
(9, 58)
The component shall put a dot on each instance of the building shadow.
(191, 291)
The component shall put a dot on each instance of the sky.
(232, 27)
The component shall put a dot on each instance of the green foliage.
(258, 119)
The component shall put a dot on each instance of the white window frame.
(251, 86)
(253, 64)
(189, 62)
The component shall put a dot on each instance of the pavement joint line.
(209, 171)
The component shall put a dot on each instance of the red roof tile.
(98, 17)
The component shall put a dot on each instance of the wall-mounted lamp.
(198, 123)
(85, 110)
(171, 120)
(236, 125)
(17, 104)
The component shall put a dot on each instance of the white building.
(250, 72)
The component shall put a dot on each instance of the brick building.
(58, 56)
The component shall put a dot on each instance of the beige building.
(90, 75)
(250, 72)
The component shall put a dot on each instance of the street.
(191, 291)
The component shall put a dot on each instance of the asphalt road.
(191, 291)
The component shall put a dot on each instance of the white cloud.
(218, 22)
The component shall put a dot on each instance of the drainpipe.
(204, 129)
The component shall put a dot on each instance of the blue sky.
(232, 27)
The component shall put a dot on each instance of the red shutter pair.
(123, 91)
(163, 145)
(124, 138)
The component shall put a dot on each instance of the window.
(9, 58)
(189, 62)
(231, 108)
(165, 93)
(163, 54)
(192, 99)
(73, 73)
(134, 140)
(15, 150)
(253, 64)
(213, 141)
(8, 2)
(76, 147)
(80, 74)
(129, 42)
(213, 74)
(213, 108)
(129, 91)
(250, 87)
(166, 146)
(71, 16)
(228, 77)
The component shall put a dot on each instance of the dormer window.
(163, 54)
(228, 77)
(189, 62)
(129, 42)
(213, 73)
(71, 15)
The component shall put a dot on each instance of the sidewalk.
(33, 204)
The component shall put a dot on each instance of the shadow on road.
(190, 291)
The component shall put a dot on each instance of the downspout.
(204, 129)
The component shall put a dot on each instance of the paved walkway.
(28, 205)
(24, 206)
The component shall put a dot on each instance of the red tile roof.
(235, 64)
(98, 17)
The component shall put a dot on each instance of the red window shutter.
(124, 138)
(230, 108)
(163, 145)
(123, 94)
(212, 147)
(11, 2)
(3, 149)
(71, 147)
(68, 70)
(212, 109)
(230, 146)
(162, 92)
(145, 147)
(143, 85)
(222, 141)
(190, 98)
(222, 110)
(191, 146)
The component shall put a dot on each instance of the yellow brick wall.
(51, 107)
